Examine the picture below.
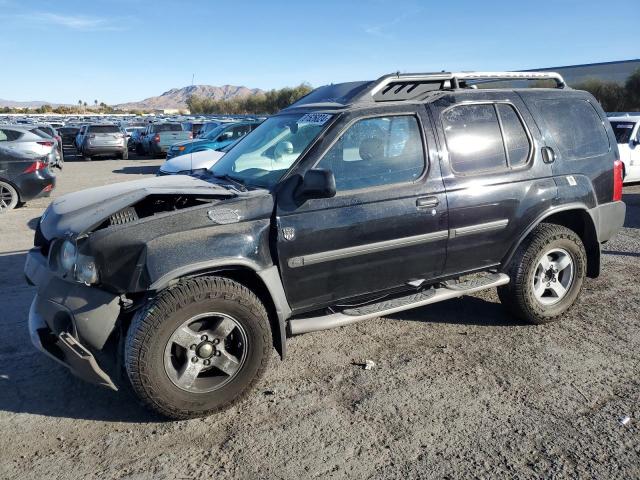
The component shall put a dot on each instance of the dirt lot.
(459, 389)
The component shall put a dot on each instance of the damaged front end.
(98, 251)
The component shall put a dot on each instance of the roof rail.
(405, 86)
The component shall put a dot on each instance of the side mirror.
(316, 183)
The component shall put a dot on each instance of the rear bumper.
(35, 185)
(608, 219)
(67, 319)
(104, 149)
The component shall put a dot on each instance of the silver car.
(29, 140)
(104, 139)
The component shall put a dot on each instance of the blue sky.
(123, 50)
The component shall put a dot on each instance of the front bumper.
(66, 319)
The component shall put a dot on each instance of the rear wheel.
(546, 274)
(198, 347)
(8, 197)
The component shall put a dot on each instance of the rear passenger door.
(495, 179)
(387, 224)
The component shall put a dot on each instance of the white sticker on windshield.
(314, 119)
(624, 125)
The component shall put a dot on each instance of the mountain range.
(174, 98)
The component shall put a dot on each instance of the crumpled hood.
(79, 212)
(191, 161)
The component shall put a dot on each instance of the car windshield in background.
(213, 134)
(623, 131)
(104, 129)
(168, 127)
(265, 154)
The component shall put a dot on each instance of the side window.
(515, 136)
(473, 137)
(575, 126)
(3, 136)
(376, 151)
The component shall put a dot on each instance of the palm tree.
(95, 102)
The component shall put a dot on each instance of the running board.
(348, 316)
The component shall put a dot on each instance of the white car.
(627, 130)
(190, 163)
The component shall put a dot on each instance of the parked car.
(190, 163)
(206, 127)
(29, 140)
(23, 177)
(80, 137)
(132, 134)
(68, 134)
(158, 138)
(215, 140)
(104, 140)
(360, 200)
(627, 131)
(51, 132)
(193, 127)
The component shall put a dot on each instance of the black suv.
(360, 200)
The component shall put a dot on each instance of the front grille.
(126, 215)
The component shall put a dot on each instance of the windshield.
(623, 131)
(264, 155)
(167, 127)
(214, 133)
(103, 129)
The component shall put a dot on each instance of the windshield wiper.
(238, 183)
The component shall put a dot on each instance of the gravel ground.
(459, 390)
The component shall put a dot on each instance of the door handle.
(548, 155)
(426, 202)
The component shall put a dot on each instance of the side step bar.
(348, 316)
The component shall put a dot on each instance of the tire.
(9, 198)
(139, 150)
(150, 353)
(520, 296)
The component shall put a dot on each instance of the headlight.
(86, 270)
(68, 255)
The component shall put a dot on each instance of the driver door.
(387, 224)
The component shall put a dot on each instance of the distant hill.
(31, 104)
(177, 97)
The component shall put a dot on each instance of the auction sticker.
(314, 119)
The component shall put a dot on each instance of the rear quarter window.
(575, 126)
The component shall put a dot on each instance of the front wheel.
(546, 274)
(198, 347)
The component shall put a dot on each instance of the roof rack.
(407, 86)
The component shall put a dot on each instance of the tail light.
(45, 143)
(617, 180)
(35, 166)
(156, 138)
(93, 135)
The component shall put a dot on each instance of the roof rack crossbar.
(398, 86)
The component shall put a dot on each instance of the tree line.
(612, 96)
(263, 103)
